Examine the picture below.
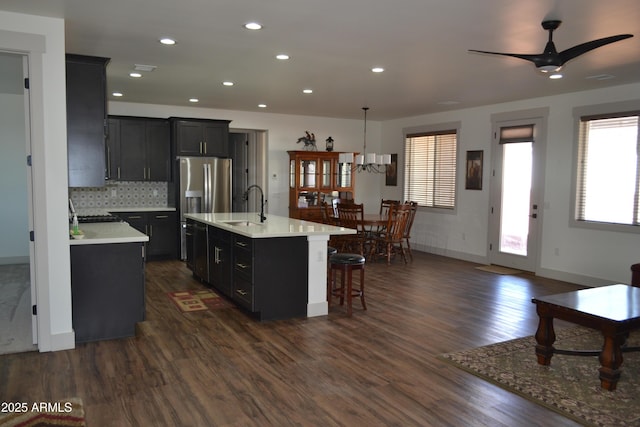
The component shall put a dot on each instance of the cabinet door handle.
(241, 292)
(162, 216)
(242, 266)
(150, 230)
(118, 172)
(205, 147)
(201, 148)
(241, 244)
(149, 174)
(216, 254)
(134, 217)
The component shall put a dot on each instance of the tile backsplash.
(121, 194)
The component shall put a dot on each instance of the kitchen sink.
(242, 223)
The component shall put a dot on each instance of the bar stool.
(346, 263)
(635, 275)
(330, 251)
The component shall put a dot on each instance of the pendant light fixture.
(366, 162)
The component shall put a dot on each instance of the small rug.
(498, 269)
(570, 385)
(188, 301)
(65, 413)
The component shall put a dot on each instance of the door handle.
(534, 216)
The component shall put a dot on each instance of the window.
(608, 173)
(430, 168)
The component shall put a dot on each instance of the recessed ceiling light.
(377, 69)
(307, 90)
(194, 100)
(282, 56)
(253, 26)
(227, 83)
(135, 75)
(117, 94)
(555, 76)
(167, 41)
(262, 105)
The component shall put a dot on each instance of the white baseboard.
(14, 260)
(64, 341)
(317, 309)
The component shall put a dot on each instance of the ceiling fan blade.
(567, 55)
(532, 58)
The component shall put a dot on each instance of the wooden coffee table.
(614, 310)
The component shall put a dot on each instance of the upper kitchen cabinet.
(200, 137)
(138, 149)
(86, 119)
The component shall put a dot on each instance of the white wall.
(43, 39)
(283, 131)
(591, 257)
(14, 224)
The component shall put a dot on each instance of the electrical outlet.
(114, 192)
(155, 193)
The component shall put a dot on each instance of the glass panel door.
(516, 198)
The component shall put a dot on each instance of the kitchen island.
(107, 281)
(276, 269)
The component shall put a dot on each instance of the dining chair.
(407, 231)
(385, 205)
(390, 240)
(351, 215)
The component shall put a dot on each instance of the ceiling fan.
(551, 60)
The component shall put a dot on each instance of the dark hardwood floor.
(377, 368)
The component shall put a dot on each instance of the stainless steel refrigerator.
(205, 186)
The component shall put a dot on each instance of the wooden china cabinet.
(315, 176)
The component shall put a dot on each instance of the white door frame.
(537, 117)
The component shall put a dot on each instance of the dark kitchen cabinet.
(220, 260)
(200, 137)
(160, 226)
(138, 149)
(86, 84)
(107, 290)
(200, 252)
(270, 276)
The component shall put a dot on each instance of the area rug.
(188, 301)
(64, 413)
(498, 269)
(570, 385)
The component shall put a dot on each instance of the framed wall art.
(392, 171)
(474, 170)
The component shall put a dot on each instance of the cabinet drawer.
(243, 264)
(242, 242)
(243, 293)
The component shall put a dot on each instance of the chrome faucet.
(246, 197)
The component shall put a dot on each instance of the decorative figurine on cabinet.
(309, 141)
(329, 142)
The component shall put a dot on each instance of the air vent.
(142, 67)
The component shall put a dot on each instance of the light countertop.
(248, 224)
(108, 232)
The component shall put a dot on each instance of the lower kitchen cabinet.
(266, 276)
(107, 290)
(270, 276)
(160, 226)
(220, 260)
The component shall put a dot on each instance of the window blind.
(430, 169)
(608, 175)
(511, 134)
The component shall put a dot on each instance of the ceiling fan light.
(549, 68)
